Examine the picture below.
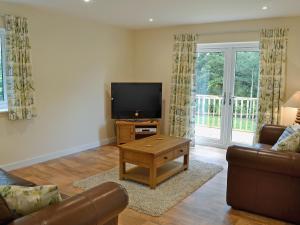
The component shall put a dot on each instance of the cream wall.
(153, 51)
(74, 61)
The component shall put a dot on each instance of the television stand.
(128, 131)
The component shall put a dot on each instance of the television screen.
(136, 100)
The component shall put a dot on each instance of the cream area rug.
(166, 195)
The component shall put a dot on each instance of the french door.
(226, 93)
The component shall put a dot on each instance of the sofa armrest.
(264, 160)
(100, 205)
(269, 134)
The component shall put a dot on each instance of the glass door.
(244, 100)
(226, 93)
(210, 80)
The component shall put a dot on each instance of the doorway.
(227, 77)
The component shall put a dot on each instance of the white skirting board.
(54, 155)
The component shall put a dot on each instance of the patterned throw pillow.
(26, 200)
(289, 131)
(289, 144)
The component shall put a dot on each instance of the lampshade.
(294, 101)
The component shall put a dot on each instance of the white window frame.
(3, 104)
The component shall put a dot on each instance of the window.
(3, 96)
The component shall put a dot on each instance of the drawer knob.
(181, 150)
(165, 157)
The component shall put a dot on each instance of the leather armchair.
(98, 206)
(263, 181)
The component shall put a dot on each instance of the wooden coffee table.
(154, 159)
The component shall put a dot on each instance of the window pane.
(210, 71)
(245, 96)
(246, 74)
(209, 89)
(1, 74)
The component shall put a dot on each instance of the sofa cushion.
(6, 214)
(26, 200)
(289, 144)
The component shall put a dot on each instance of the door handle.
(230, 99)
(224, 98)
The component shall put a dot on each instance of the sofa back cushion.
(270, 134)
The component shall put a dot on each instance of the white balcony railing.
(208, 112)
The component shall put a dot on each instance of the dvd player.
(145, 129)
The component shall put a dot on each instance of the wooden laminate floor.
(206, 206)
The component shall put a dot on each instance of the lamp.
(294, 102)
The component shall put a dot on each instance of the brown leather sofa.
(98, 206)
(263, 181)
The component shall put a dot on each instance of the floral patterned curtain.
(20, 89)
(273, 56)
(182, 102)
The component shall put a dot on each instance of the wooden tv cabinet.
(126, 130)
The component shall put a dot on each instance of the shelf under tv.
(126, 130)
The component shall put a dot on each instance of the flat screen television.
(136, 100)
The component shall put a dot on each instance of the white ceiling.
(136, 13)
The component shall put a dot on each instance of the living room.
(68, 137)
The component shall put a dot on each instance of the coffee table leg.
(186, 161)
(122, 166)
(122, 170)
(152, 177)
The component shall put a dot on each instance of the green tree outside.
(210, 70)
(209, 81)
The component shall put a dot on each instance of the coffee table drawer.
(137, 158)
(162, 159)
(181, 151)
